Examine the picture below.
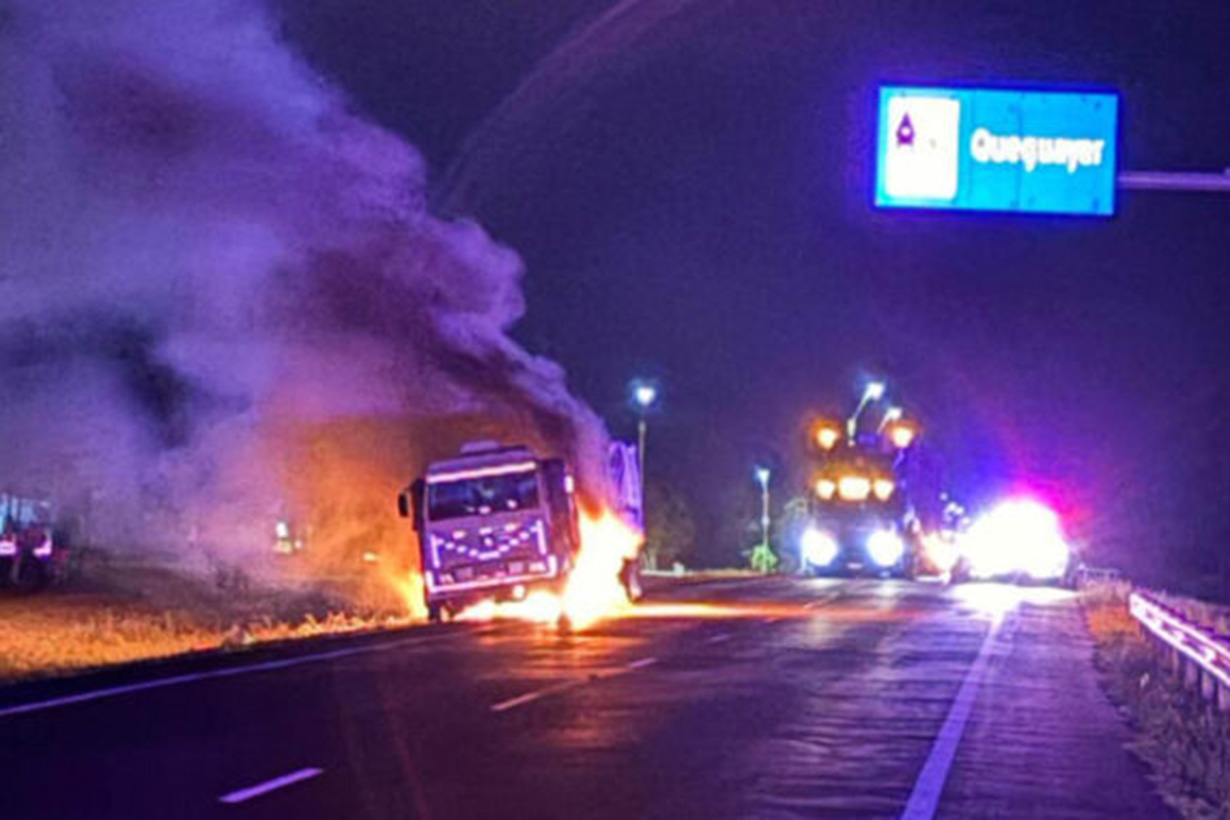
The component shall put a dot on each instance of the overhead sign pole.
(1175, 181)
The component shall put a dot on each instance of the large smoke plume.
(221, 291)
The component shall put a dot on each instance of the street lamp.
(644, 395)
(874, 391)
(762, 475)
(892, 414)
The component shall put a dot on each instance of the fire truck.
(30, 557)
(859, 516)
(497, 523)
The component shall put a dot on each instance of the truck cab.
(856, 511)
(495, 522)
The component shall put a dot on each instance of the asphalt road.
(776, 698)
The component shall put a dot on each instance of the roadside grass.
(1184, 739)
(133, 612)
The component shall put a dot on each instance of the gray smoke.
(200, 245)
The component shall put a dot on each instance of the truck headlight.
(818, 548)
(885, 548)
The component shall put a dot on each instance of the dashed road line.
(563, 686)
(824, 600)
(244, 795)
(725, 636)
(530, 697)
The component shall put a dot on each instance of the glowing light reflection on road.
(997, 599)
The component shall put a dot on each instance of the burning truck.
(499, 524)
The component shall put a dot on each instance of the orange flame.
(594, 589)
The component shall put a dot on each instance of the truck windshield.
(16, 512)
(482, 496)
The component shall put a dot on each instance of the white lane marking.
(270, 785)
(563, 686)
(232, 671)
(824, 599)
(925, 797)
(725, 636)
(771, 620)
(530, 697)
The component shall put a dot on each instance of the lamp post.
(874, 391)
(644, 395)
(892, 414)
(762, 476)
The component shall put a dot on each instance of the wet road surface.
(774, 698)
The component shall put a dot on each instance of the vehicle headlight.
(817, 547)
(885, 547)
(883, 488)
(1047, 560)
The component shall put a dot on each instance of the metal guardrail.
(1197, 653)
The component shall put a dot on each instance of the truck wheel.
(435, 613)
(630, 578)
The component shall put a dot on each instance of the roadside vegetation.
(1184, 738)
(122, 612)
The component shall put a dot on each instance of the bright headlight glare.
(818, 548)
(825, 488)
(941, 552)
(883, 488)
(1017, 536)
(885, 547)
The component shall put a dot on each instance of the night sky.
(689, 186)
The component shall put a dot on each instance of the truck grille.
(502, 545)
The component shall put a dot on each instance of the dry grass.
(1184, 739)
(136, 612)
